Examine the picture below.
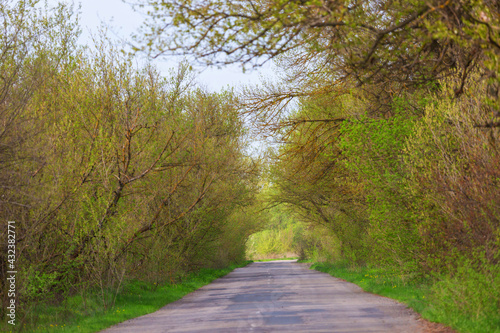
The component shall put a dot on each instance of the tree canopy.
(405, 42)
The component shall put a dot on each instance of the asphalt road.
(277, 296)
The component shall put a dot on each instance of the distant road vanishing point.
(277, 296)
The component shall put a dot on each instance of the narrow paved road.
(277, 296)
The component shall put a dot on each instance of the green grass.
(419, 296)
(136, 298)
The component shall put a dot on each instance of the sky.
(123, 21)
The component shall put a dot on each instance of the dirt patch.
(430, 327)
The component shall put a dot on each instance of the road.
(277, 296)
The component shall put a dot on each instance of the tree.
(394, 43)
(34, 44)
(110, 170)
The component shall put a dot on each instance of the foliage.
(372, 150)
(451, 165)
(470, 293)
(112, 171)
(330, 46)
(421, 183)
(279, 239)
(362, 38)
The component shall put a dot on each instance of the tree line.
(110, 170)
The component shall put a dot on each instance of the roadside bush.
(470, 289)
(452, 163)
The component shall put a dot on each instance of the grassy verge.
(136, 298)
(421, 297)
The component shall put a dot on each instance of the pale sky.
(124, 21)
